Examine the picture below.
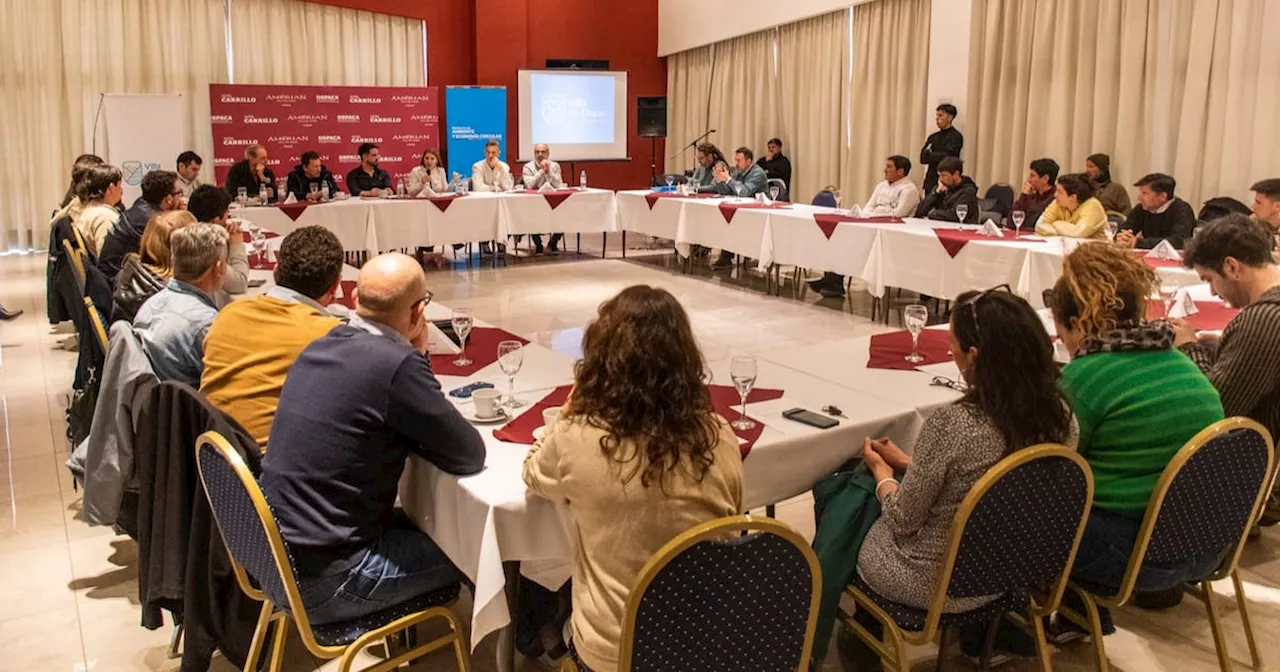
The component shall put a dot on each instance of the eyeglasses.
(424, 301)
(943, 381)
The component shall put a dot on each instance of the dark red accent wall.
(487, 41)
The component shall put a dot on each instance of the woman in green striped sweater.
(1138, 401)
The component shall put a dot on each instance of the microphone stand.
(694, 144)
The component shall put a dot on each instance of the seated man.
(172, 324)
(308, 172)
(189, 164)
(707, 156)
(1158, 215)
(954, 189)
(160, 193)
(776, 165)
(896, 196)
(746, 180)
(252, 174)
(367, 179)
(491, 173)
(1233, 254)
(538, 173)
(253, 342)
(212, 205)
(1037, 191)
(356, 404)
(1266, 203)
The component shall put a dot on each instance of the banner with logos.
(144, 133)
(476, 114)
(332, 120)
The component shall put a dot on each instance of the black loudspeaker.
(651, 116)
(576, 64)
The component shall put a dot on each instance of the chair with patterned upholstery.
(1015, 535)
(737, 593)
(1206, 500)
(259, 553)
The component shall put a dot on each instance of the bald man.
(357, 403)
(539, 173)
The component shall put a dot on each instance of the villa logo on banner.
(278, 117)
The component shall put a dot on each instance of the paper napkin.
(989, 228)
(291, 199)
(1165, 251)
(1183, 305)
(438, 343)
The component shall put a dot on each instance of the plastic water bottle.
(582, 181)
(262, 193)
(400, 191)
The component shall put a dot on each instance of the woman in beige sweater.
(638, 455)
(100, 192)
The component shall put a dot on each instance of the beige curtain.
(295, 42)
(744, 92)
(688, 88)
(61, 55)
(887, 93)
(1185, 87)
(813, 84)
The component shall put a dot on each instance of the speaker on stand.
(651, 122)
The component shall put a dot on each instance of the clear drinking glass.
(315, 189)
(915, 316)
(463, 318)
(742, 371)
(671, 180)
(1018, 218)
(510, 359)
(1168, 291)
(242, 195)
(1113, 227)
(962, 211)
(773, 192)
(259, 242)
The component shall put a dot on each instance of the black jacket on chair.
(60, 283)
(183, 565)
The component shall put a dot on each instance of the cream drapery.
(688, 88)
(295, 42)
(61, 55)
(813, 87)
(744, 93)
(1189, 88)
(887, 93)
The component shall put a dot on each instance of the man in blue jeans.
(356, 404)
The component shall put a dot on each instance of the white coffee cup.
(486, 401)
(550, 416)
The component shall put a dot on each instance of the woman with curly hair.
(638, 454)
(1138, 401)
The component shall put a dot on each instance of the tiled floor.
(68, 592)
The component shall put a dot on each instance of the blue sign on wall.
(475, 115)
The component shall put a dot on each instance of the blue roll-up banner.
(475, 115)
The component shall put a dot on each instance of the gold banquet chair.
(1015, 535)
(95, 320)
(1207, 498)
(258, 550)
(77, 262)
(737, 593)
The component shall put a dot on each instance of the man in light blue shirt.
(747, 180)
(173, 323)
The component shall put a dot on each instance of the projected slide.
(581, 114)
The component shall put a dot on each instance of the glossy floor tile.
(68, 591)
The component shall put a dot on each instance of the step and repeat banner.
(331, 120)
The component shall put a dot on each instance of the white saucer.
(470, 415)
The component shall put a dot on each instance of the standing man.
(189, 164)
(946, 142)
(1158, 216)
(310, 171)
(1266, 203)
(776, 165)
(538, 173)
(1037, 191)
(368, 179)
(252, 174)
(491, 174)
(160, 193)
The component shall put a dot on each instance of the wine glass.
(742, 371)
(1113, 227)
(774, 192)
(671, 180)
(463, 318)
(835, 193)
(315, 190)
(1168, 291)
(962, 211)
(1018, 218)
(915, 316)
(259, 242)
(510, 358)
(242, 195)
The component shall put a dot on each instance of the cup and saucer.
(549, 418)
(487, 409)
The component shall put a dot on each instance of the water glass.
(1018, 218)
(742, 371)
(962, 212)
(510, 359)
(462, 320)
(315, 190)
(242, 195)
(915, 316)
(671, 180)
(1113, 228)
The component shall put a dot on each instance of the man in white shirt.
(896, 196)
(491, 174)
(189, 164)
(543, 173)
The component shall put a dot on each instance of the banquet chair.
(1015, 535)
(1208, 497)
(737, 593)
(777, 190)
(259, 552)
(825, 199)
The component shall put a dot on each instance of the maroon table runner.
(889, 351)
(443, 202)
(554, 198)
(954, 240)
(728, 210)
(248, 238)
(828, 222)
(1212, 315)
(482, 350)
(1156, 263)
(653, 196)
(294, 210)
(348, 297)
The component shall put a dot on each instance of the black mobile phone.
(810, 418)
(466, 391)
(257, 282)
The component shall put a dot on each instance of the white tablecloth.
(591, 211)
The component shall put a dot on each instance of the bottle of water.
(263, 193)
(582, 181)
(400, 191)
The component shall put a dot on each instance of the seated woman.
(146, 272)
(1074, 212)
(638, 454)
(428, 179)
(992, 333)
(1138, 401)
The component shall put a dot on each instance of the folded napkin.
(291, 199)
(438, 343)
(764, 198)
(546, 186)
(1183, 305)
(1164, 251)
(989, 228)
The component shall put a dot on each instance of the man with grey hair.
(355, 405)
(252, 173)
(541, 173)
(173, 324)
